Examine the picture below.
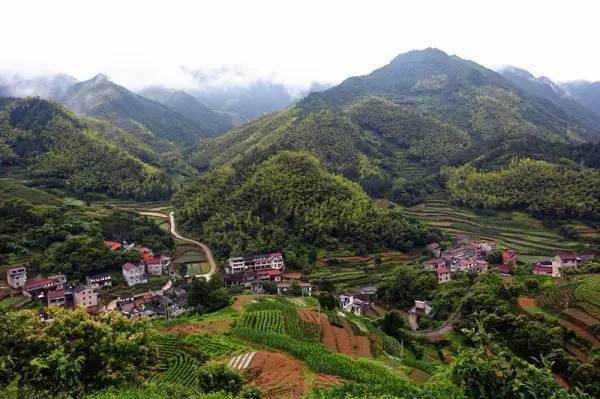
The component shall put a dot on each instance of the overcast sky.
(143, 42)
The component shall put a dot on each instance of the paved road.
(174, 233)
(205, 248)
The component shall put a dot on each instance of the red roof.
(56, 294)
(129, 266)
(505, 269)
(151, 260)
(543, 269)
(113, 245)
(276, 254)
(39, 283)
(271, 272)
(442, 270)
(567, 255)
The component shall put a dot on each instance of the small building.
(357, 304)
(546, 268)
(369, 290)
(443, 275)
(293, 276)
(39, 288)
(134, 274)
(421, 308)
(433, 264)
(154, 265)
(567, 259)
(273, 275)
(464, 265)
(99, 281)
(434, 249)
(16, 277)
(482, 265)
(306, 288)
(114, 246)
(509, 257)
(283, 288)
(126, 303)
(57, 297)
(84, 295)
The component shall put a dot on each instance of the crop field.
(14, 302)
(264, 320)
(579, 300)
(213, 345)
(587, 294)
(178, 366)
(513, 229)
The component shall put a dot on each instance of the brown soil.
(326, 380)
(582, 332)
(311, 316)
(343, 340)
(525, 302)
(277, 375)
(212, 327)
(583, 317)
(241, 301)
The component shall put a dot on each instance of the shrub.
(219, 377)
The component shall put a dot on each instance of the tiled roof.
(129, 266)
(56, 294)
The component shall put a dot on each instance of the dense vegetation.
(73, 354)
(392, 130)
(63, 238)
(537, 186)
(61, 151)
(290, 203)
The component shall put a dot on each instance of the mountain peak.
(100, 78)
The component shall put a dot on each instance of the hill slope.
(101, 98)
(393, 129)
(587, 93)
(190, 107)
(545, 88)
(289, 202)
(62, 150)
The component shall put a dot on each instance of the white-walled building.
(85, 296)
(134, 274)
(255, 263)
(16, 277)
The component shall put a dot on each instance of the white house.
(355, 303)
(16, 277)
(134, 274)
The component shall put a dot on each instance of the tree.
(207, 296)
(295, 288)
(392, 323)
(327, 301)
(215, 377)
(411, 283)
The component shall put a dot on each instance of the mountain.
(190, 107)
(393, 129)
(289, 202)
(587, 93)
(51, 87)
(245, 102)
(545, 88)
(61, 150)
(101, 98)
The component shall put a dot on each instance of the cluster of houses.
(256, 271)
(466, 257)
(358, 303)
(152, 304)
(149, 264)
(563, 260)
(54, 290)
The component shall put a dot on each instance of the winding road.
(174, 233)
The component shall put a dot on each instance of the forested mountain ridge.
(61, 150)
(587, 93)
(101, 98)
(557, 94)
(190, 107)
(290, 202)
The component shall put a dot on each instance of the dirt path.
(277, 375)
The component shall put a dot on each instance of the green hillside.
(289, 202)
(60, 150)
(392, 130)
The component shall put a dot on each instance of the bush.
(215, 377)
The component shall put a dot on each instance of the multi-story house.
(57, 297)
(157, 265)
(134, 274)
(99, 281)
(255, 263)
(85, 296)
(443, 274)
(16, 277)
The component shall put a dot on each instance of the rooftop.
(56, 294)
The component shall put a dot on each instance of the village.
(263, 274)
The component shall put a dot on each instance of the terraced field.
(177, 366)
(587, 294)
(513, 229)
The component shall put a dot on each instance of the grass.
(14, 302)
(512, 229)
